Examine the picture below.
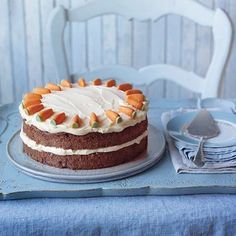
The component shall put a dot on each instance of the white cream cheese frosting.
(82, 101)
(60, 151)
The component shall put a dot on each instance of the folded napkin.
(217, 159)
(210, 154)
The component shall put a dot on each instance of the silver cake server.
(203, 126)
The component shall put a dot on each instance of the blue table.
(179, 215)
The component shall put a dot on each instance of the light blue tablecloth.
(180, 215)
(157, 215)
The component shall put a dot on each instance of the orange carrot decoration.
(125, 87)
(58, 119)
(66, 83)
(29, 102)
(111, 83)
(32, 96)
(97, 81)
(133, 91)
(53, 87)
(41, 91)
(44, 115)
(113, 116)
(137, 97)
(127, 111)
(76, 122)
(81, 82)
(138, 105)
(33, 109)
(93, 120)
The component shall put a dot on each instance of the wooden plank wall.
(25, 59)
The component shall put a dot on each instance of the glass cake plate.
(156, 147)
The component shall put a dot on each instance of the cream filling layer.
(60, 151)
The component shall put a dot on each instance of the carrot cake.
(84, 125)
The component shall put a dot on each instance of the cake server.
(203, 126)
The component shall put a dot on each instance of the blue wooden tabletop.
(159, 180)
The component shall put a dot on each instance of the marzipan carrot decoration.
(113, 116)
(29, 102)
(33, 109)
(137, 97)
(125, 87)
(53, 87)
(81, 82)
(76, 122)
(133, 91)
(93, 120)
(97, 81)
(136, 104)
(111, 83)
(127, 111)
(44, 114)
(58, 119)
(66, 83)
(41, 90)
(32, 96)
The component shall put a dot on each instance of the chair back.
(207, 86)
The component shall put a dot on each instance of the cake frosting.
(83, 101)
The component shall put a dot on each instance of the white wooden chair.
(207, 86)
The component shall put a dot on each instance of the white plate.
(156, 147)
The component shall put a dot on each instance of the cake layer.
(88, 141)
(91, 161)
(60, 151)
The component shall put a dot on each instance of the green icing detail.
(26, 111)
(53, 122)
(118, 119)
(95, 125)
(144, 107)
(75, 125)
(38, 118)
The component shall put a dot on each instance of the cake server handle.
(198, 159)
